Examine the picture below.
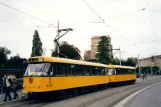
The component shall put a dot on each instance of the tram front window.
(39, 69)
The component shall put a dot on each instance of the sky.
(131, 27)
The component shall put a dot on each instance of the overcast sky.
(137, 32)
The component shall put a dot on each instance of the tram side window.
(91, 70)
(124, 71)
(118, 71)
(97, 71)
(134, 71)
(102, 71)
(86, 70)
(131, 71)
(59, 69)
(70, 69)
(79, 69)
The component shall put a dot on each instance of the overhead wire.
(147, 4)
(104, 21)
(27, 14)
(119, 15)
(116, 31)
(116, 16)
(92, 10)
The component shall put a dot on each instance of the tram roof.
(63, 60)
(120, 66)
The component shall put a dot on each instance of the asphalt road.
(148, 98)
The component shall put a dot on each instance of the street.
(148, 98)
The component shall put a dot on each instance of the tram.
(67, 76)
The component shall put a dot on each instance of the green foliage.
(103, 51)
(116, 61)
(3, 55)
(67, 51)
(131, 61)
(147, 70)
(152, 58)
(37, 45)
(15, 62)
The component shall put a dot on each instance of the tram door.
(50, 74)
(112, 75)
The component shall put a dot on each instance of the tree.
(103, 55)
(116, 61)
(3, 55)
(15, 62)
(37, 45)
(67, 51)
(132, 61)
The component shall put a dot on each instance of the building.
(150, 61)
(87, 55)
(94, 43)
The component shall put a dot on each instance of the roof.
(96, 37)
(87, 52)
(65, 60)
(119, 66)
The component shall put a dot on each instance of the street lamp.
(139, 64)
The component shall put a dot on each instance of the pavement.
(148, 98)
(149, 77)
(2, 96)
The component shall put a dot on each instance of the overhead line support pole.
(120, 55)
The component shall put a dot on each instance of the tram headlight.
(23, 86)
(37, 86)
